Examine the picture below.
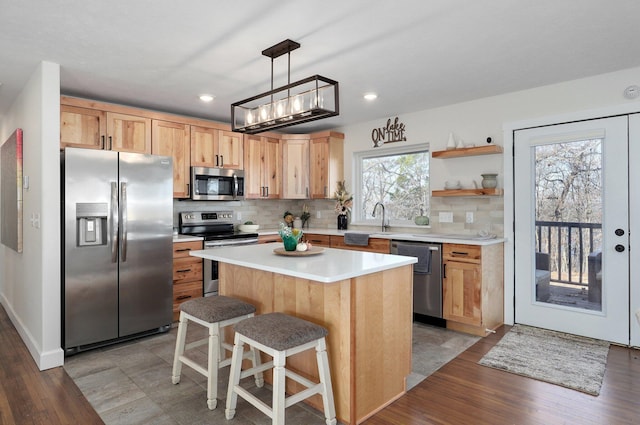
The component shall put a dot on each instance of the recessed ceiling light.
(370, 96)
(206, 97)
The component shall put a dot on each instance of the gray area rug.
(567, 360)
(130, 383)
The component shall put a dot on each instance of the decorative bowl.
(248, 228)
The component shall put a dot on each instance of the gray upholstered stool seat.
(280, 335)
(214, 313)
(280, 331)
(216, 309)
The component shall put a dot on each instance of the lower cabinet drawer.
(186, 269)
(317, 240)
(185, 291)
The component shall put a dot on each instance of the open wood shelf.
(468, 192)
(476, 150)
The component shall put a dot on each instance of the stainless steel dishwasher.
(427, 277)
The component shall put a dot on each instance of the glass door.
(572, 228)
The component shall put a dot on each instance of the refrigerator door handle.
(114, 222)
(123, 209)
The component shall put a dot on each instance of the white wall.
(30, 281)
(496, 116)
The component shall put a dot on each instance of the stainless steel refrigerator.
(117, 223)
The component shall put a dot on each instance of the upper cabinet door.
(203, 147)
(172, 139)
(326, 168)
(262, 160)
(82, 128)
(211, 147)
(230, 148)
(272, 167)
(295, 169)
(128, 133)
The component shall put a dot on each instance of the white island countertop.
(331, 265)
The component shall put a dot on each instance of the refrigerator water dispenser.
(91, 219)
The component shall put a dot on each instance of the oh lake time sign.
(394, 131)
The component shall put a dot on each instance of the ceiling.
(415, 54)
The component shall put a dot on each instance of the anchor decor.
(392, 132)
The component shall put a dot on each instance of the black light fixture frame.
(313, 86)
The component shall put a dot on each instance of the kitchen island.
(364, 299)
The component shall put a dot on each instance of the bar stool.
(214, 313)
(280, 335)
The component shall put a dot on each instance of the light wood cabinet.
(262, 161)
(187, 275)
(95, 129)
(379, 245)
(172, 139)
(472, 294)
(212, 147)
(269, 238)
(82, 127)
(326, 153)
(128, 133)
(317, 240)
(295, 168)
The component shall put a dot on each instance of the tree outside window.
(398, 178)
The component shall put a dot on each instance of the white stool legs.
(215, 356)
(279, 400)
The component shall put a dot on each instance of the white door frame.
(634, 203)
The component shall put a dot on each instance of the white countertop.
(329, 266)
(404, 236)
(186, 238)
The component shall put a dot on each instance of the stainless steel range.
(217, 229)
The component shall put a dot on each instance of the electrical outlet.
(445, 217)
(239, 216)
(469, 218)
(318, 214)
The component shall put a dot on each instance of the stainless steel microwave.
(216, 184)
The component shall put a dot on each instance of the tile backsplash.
(488, 212)
(268, 213)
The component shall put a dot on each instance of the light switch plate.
(445, 217)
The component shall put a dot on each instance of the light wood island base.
(369, 319)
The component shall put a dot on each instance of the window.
(396, 177)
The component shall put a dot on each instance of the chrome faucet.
(373, 214)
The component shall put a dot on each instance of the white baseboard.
(44, 360)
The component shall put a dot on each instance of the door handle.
(123, 209)
(114, 222)
(235, 185)
(444, 271)
(221, 161)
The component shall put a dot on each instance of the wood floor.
(28, 396)
(462, 392)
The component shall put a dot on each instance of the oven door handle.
(212, 244)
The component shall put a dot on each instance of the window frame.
(358, 157)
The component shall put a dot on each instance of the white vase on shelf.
(451, 144)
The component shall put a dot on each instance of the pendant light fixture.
(310, 99)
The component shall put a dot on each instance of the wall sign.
(392, 132)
